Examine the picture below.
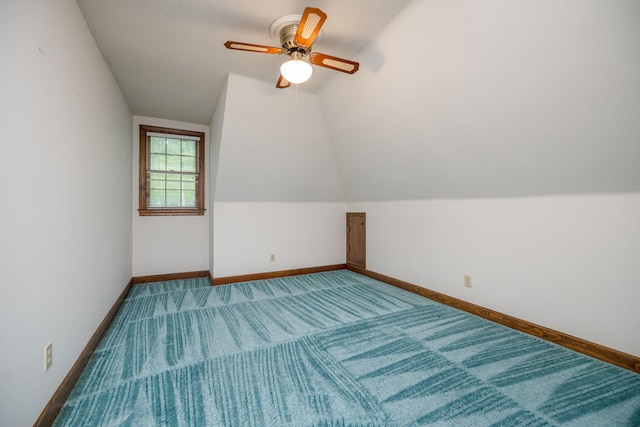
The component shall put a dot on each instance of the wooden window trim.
(143, 184)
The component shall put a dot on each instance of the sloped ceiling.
(168, 56)
(501, 99)
(454, 99)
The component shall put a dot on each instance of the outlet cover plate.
(467, 281)
(48, 356)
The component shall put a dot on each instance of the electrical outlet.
(273, 257)
(467, 281)
(48, 356)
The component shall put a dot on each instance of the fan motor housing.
(283, 30)
(287, 34)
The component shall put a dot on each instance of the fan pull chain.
(297, 94)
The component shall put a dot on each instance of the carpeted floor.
(332, 349)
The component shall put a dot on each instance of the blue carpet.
(332, 349)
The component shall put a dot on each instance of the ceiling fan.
(296, 34)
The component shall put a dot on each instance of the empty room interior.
(492, 146)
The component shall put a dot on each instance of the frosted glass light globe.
(296, 71)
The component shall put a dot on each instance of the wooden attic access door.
(356, 239)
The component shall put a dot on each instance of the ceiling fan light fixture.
(296, 34)
(296, 70)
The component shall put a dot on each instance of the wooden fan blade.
(310, 24)
(333, 62)
(253, 47)
(282, 83)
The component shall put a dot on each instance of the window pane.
(156, 198)
(188, 164)
(156, 185)
(172, 181)
(173, 146)
(158, 162)
(173, 163)
(188, 147)
(189, 198)
(158, 145)
(173, 198)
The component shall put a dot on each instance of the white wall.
(274, 149)
(566, 262)
(491, 119)
(299, 234)
(65, 219)
(168, 244)
(217, 126)
(277, 187)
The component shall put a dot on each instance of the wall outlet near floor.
(467, 281)
(272, 258)
(48, 356)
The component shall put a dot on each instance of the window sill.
(171, 212)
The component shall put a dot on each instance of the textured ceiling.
(168, 56)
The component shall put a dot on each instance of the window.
(171, 172)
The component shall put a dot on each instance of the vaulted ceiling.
(168, 56)
(453, 99)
